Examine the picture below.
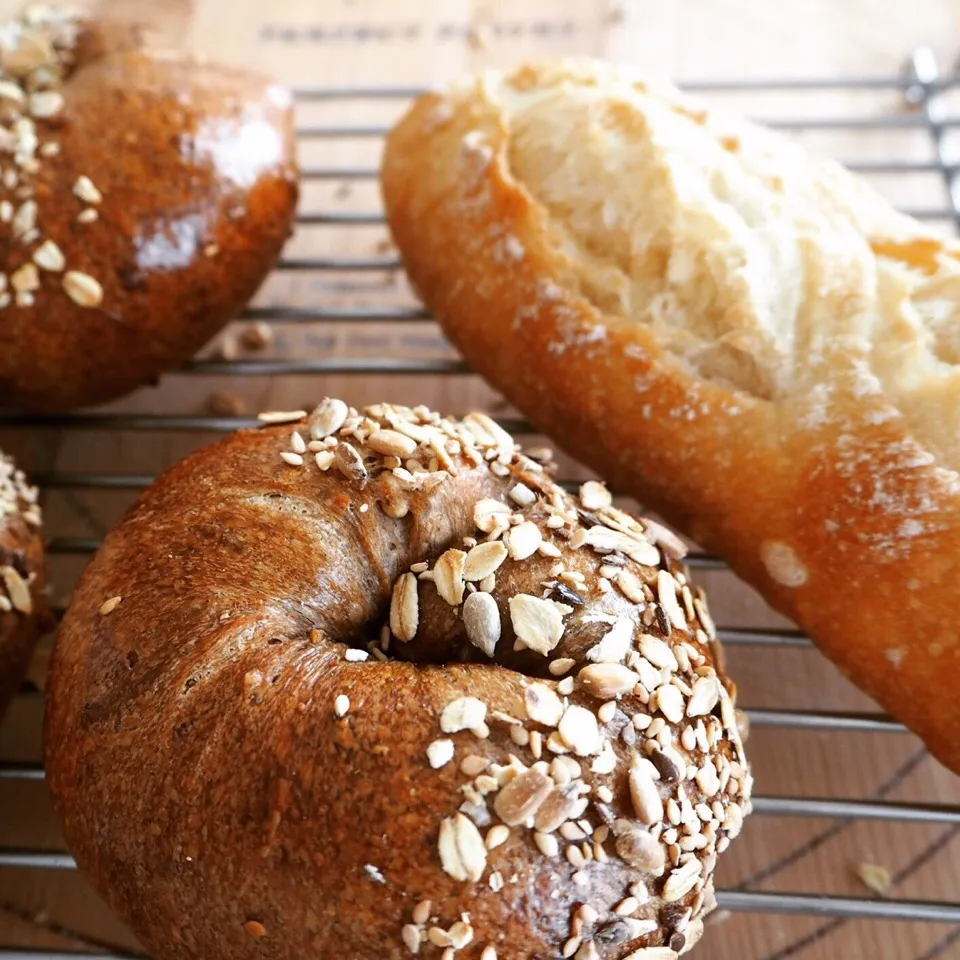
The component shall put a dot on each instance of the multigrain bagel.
(22, 610)
(144, 197)
(247, 763)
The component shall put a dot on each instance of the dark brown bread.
(22, 610)
(194, 165)
(237, 784)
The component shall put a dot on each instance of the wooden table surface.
(376, 42)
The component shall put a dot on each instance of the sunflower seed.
(658, 652)
(82, 289)
(595, 496)
(324, 459)
(630, 586)
(579, 731)
(607, 680)
(605, 540)
(670, 703)
(645, 796)
(440, 753)
(666, 539)
(707, 780)
(269, 417)
(461, 934)
(667, 593)
(481, 620)
(17, 590)
(523, 540)
(462, 852)
(108, 606)
(543, 705)
(390, 443)
(536, 622)
(464, 713)
(448, 576)
(681, 881)
(349, 462)
(521, 797)
(327, 417)
(484, 559)
(639, 848)
(706, 693)
(405, 608)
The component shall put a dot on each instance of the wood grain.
(375, 42)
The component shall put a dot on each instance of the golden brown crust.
(246, 762)
(194, 164)
(22, 606)
(746, 339)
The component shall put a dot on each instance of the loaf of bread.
(748, 339)
(22, 609)
(144, 195)
(370, 684)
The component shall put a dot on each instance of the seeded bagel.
(370, 684)
(145, 196)
(21, 577)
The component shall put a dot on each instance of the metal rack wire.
(924, 92)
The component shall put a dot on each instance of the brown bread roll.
(145, 195)
(369, 684)
(749, 340)
(22, 609)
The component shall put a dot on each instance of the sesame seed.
(85, 190)
(294, 459)
(255, 928)
(489, 953)
(421, 912)
(341, 705)
(561, 666)
(82, 289)
(297, 443)
(108, 606)
(87, 216)
(497, 835)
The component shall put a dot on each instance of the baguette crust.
(747, 339)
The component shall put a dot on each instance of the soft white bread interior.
(748, 338)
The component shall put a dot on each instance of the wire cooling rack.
(342, 320)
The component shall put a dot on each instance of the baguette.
(748, 339)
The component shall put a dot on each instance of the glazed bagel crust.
(747, 339)
(22, 610)
(239, 782)
(194, 186)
